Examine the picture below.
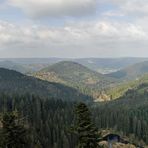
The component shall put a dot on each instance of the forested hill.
(49, 120)
(120, 89)
(131, 72)
(128, 115)
(77, 76)
(15, 82)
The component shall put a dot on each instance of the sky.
(73, 28)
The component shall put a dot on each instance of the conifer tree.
(87, 132)
(13, 134)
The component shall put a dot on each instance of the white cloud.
(99, 38)
(113, 13)
(133, 7)
(55, 8)
(107, 36)
(136, 7)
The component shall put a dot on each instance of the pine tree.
(87, 132)
(13, 134)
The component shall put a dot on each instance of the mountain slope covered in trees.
(75, 75)
(15, 82)
(128, 114)
(120, 89)
(47, 107)
(50, 120)
(131, 72)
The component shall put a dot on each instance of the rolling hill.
(76, 75)
(122, 88)
(22, 66)
(128, 113)
(14, 82)
(132, 72)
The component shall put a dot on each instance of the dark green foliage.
(85, 129)
(127, 115)
(48, 120)
(14, 82)
(13, 134)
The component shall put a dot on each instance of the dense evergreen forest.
(49, 120)
(14, 82)
(128, 115)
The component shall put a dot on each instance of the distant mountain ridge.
(20, 67)
(101, 65)
(109, 64)
(13, 66)
(131, 72)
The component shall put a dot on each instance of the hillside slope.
(132, 72)
(75, 75)
(128, 114)
(15, 82)
(120, 89)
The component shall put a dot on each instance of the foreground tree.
(12, 133)
(87, 132)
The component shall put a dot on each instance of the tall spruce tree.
(13, 134)
(87, 132)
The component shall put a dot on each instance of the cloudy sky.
(73, 28)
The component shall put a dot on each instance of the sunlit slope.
(77, 76)
(120, 89)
